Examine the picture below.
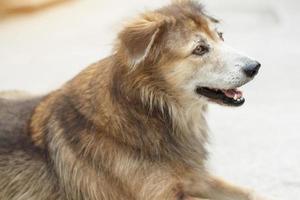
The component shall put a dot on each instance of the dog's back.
(22, 165)
(14, 117)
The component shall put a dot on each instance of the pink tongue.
(233, 93)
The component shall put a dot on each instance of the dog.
(131, 126)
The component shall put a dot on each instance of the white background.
(257, 145)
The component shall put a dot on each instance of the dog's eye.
(201, 50)
(221, 35)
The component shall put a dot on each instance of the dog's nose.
(252, 69)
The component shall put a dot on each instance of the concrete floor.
(257, 145)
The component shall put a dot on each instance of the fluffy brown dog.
(132, 126)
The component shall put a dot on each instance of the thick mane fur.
(136, 109)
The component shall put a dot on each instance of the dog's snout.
(251, 69)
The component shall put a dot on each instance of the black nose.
(252, 69)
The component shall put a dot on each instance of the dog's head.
(181, 45)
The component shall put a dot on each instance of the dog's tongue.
(233, 93)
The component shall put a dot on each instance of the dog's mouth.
(231, 97)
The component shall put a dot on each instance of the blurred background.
(43, 43)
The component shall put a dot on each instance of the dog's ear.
(139, 38)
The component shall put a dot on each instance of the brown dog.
(132, 126)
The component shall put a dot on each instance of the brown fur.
(118, 130)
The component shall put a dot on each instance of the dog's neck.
(102, 95)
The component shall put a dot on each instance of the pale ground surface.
(257, 145)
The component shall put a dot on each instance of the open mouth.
(231, 97)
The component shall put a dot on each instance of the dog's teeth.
(240, 99)
(235, 97)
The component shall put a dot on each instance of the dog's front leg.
(217, 189)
